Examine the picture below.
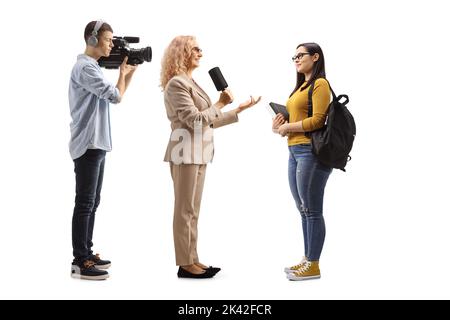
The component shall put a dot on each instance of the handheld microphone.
(218, 79)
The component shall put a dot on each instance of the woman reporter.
(193, 117)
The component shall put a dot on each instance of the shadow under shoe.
(86, 271)
(182, 273)
(100, 263)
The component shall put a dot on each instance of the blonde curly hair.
(177, 58)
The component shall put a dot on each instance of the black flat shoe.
(213, 270)
(182, 273)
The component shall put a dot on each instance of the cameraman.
(89, 97)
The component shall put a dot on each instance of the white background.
(387, 217)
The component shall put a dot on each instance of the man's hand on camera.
(125, 75)
(127, 69)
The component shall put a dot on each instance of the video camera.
(121, 50)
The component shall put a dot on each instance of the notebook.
(278, 108)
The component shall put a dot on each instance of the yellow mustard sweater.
(297, 106)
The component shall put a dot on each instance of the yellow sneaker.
(309, 270)
(296, 267)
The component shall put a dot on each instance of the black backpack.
(333, 142)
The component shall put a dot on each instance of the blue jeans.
(89, 170)
(307, 180)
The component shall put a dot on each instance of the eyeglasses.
(197, 49)
(300, 55)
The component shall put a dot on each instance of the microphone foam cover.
(218, 79)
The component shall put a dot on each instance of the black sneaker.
(87, 271)
(99, 263)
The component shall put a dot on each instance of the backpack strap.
(310, 103)
(310, 93)
(310, 106)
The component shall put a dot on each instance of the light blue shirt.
(89, 97)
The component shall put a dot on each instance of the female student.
(307, 176)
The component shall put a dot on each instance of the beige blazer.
(192, 117)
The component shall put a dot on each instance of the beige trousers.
(188, 180)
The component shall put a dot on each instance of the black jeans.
(89, 177)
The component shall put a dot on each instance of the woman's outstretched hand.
(247, 104)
